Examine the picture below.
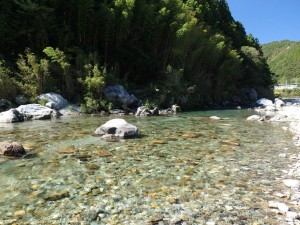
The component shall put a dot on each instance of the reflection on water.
(185, 168)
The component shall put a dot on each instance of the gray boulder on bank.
(12, 148)
(117, 128)
(11, 116)
(119, 96)
(36, 112)
(55, 101)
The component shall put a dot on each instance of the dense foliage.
(284, 60)
(185, 51)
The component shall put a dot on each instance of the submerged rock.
(57, 195)
(12, 148)
(230, 143)
(117, 128)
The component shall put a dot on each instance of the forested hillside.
(182, 51)
(284, 60)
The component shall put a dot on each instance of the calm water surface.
(181, 170)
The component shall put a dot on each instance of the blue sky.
(268, 20)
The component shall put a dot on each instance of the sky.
(268, 20)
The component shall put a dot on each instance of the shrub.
(9, 87)
(34, 74)
(93, 86)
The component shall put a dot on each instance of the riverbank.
(287, 202)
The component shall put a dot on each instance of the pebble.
(30, 209)
(283, 207)
(214, 118)
(19, 213)
(57, 195)
(291, 183)
(210, 223)
(228, 207)
(292, 215)
(283, 155)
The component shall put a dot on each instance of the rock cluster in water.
(146, 111)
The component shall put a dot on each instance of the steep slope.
(283, 58)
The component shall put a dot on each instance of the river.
(183, 169)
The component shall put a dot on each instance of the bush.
(93, 86)
(91, 105)
(34, 74)
(174, 89)
(9, 88)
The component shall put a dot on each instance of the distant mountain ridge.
(283, 58)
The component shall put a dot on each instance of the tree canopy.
(138, 42)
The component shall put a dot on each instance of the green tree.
(93, 85)
(59, 58)
(34, 74)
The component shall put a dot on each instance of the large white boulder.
(264, 102)
(11, 116)
(36, 112)
(117, 128)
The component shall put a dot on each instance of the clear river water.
(183, 169)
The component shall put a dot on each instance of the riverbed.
(182, 169)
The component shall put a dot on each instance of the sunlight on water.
(184, 166)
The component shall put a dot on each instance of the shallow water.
(183, 169)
